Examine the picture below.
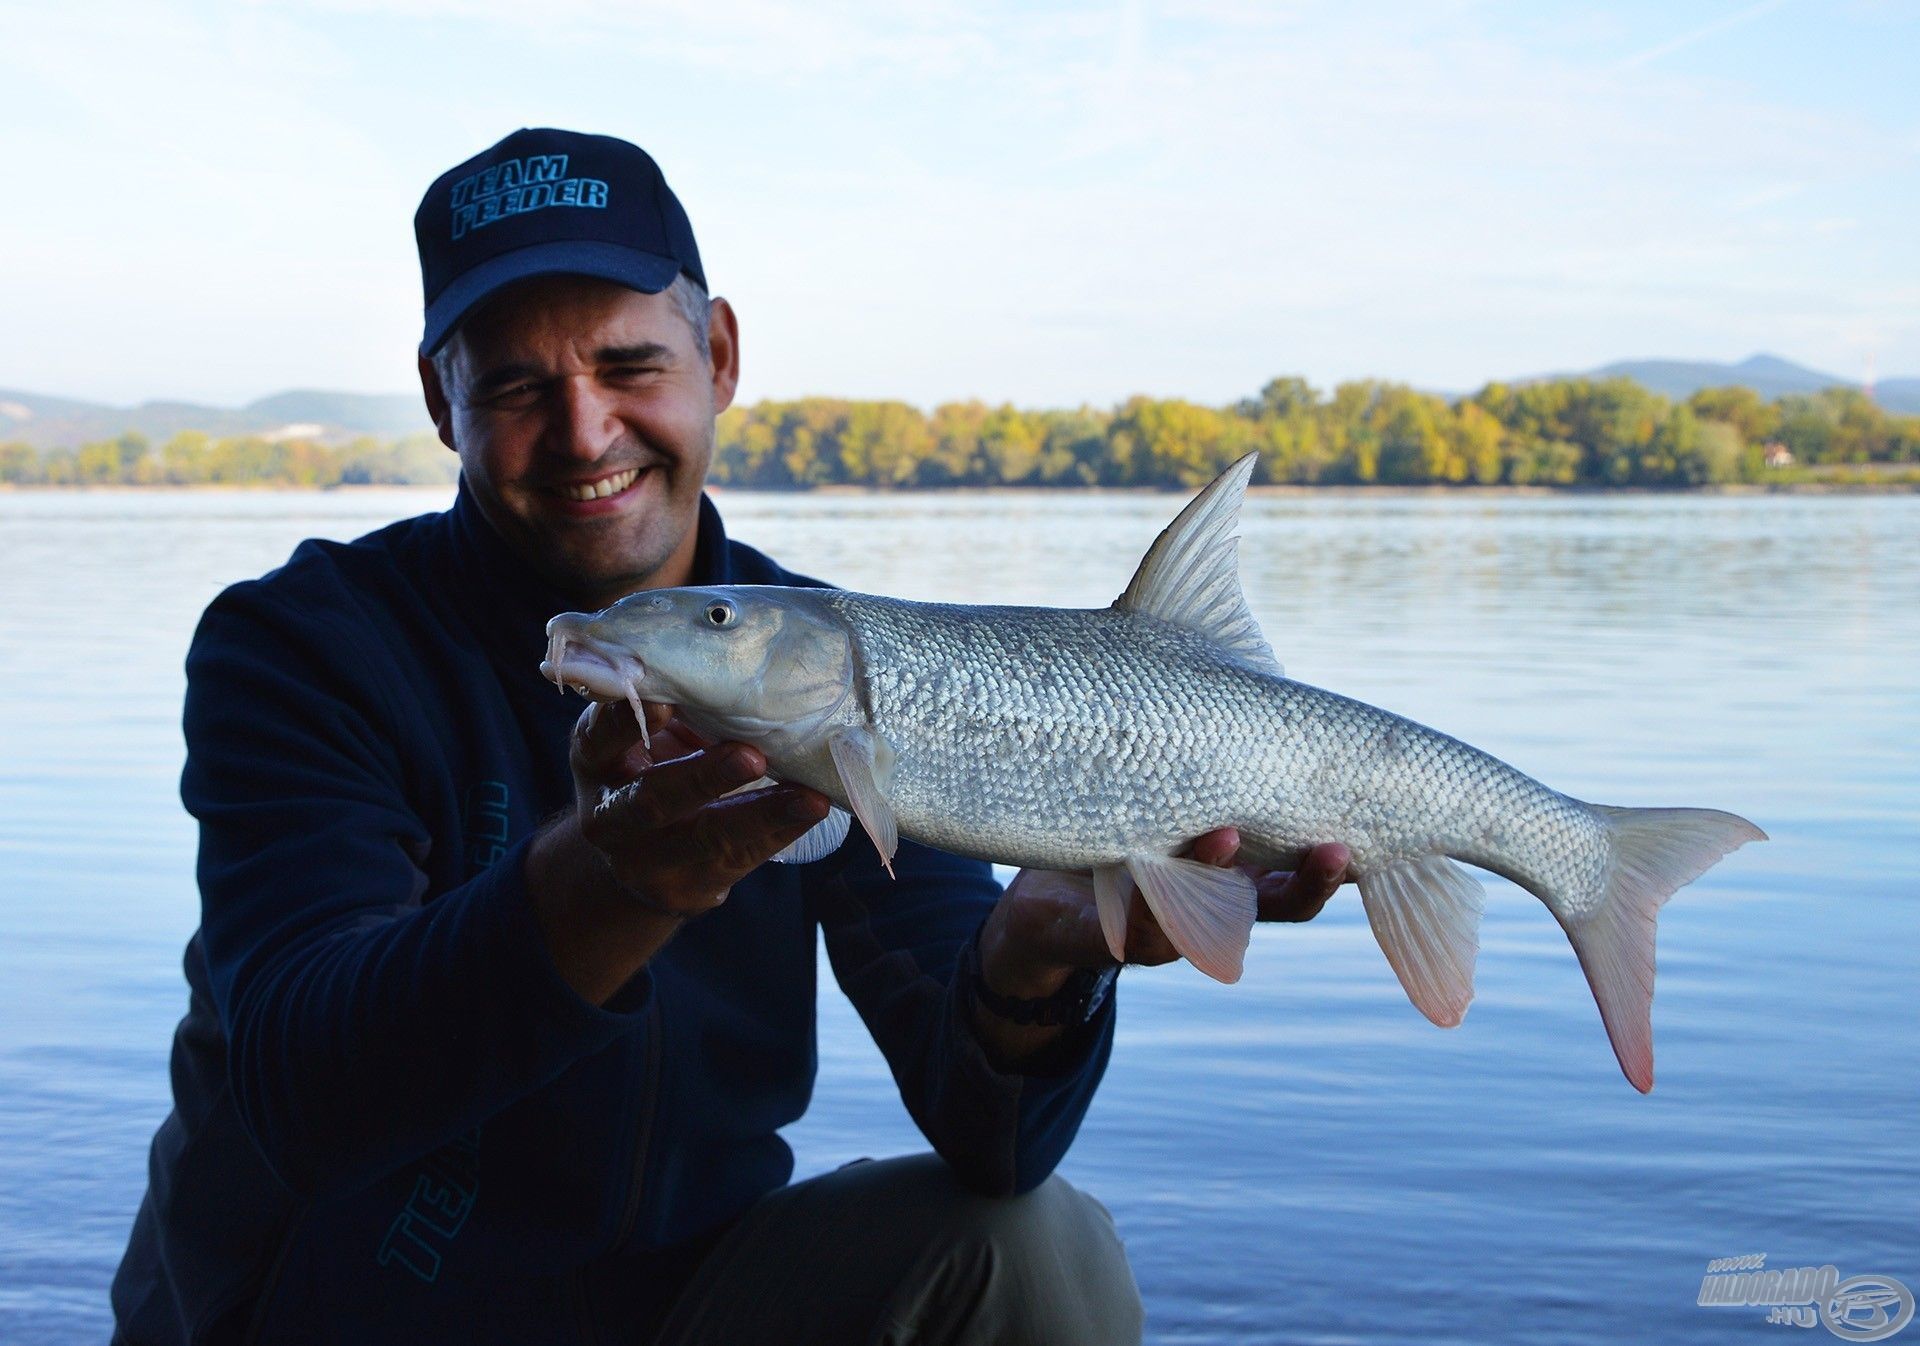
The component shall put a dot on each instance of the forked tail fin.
(1655, 853)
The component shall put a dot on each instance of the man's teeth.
(601, 489)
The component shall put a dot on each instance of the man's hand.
(655, 836)
(1046, 926)
(664, 817)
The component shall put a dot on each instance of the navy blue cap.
(544, 202)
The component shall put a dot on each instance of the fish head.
(740, 661)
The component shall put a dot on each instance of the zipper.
(630, 1214)
(582, 1319)
(257, 1320)
(643, 1142)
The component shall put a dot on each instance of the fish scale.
(1106, 740)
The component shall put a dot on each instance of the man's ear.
(439, 407)
(723, 341)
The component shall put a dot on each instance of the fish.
(1103, 741)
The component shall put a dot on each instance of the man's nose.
(584, 425)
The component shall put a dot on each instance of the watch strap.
(1076, 1002)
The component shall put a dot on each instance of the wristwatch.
(1075, 1004)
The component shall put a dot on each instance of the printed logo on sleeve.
(489, 823)
(519, 186)
(445, 1185)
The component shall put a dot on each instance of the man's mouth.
(598, 489)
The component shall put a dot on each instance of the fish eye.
(721, 613)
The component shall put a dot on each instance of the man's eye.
(515, 395)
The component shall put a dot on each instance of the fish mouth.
(592, 672)
(578, 662)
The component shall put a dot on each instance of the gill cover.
(752, 662)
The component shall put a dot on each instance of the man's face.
(583, 415)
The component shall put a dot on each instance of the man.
(452, 1073)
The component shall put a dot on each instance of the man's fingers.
(671, 791)
(738, 834)
(690, 863)
(675, 741)
(1299, 896)
(1147, 943)
(1217, 847)
(602, 737)
(672, 829)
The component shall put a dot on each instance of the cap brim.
(609, 261)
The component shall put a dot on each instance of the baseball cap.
(546, 202)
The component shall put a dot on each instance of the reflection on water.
(1300, 1157)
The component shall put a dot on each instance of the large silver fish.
(1106, 740)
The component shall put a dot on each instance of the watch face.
(1098, 989)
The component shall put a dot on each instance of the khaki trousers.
(895, 1252)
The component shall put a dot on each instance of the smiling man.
(497, 1013)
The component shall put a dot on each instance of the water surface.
(1301, 1157)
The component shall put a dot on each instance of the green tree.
(1350, 433)
(1072, 445)
(1720, 454)
(1478, 443)
(1742, 408)
(957, 458)
(1414, 447)
(187, 458)
(1286, 398)
(19, 465)
(885, 443)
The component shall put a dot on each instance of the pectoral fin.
(865, 763)
(1426, 914)
(818, 841)
(1207, 912)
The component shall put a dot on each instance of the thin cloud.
(1047, 204)
(1718, 26)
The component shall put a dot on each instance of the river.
(1298, 1158)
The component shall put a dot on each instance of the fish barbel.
(1106, 740)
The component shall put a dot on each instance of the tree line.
(1567, 432)
(192, 458)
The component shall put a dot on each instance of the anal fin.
(1206, 911)
(1426, 914)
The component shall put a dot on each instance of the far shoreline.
(1432, 490)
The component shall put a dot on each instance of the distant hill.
(1900, 395)
(361, 413)
(62, 423)
(1768, 375)
(334, 417)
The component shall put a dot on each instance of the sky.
(1043, 203)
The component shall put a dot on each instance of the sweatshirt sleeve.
(895, 947)
(365, 1024)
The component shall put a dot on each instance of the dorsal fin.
(1191, 574)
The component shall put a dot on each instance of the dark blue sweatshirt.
(393, 1120)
